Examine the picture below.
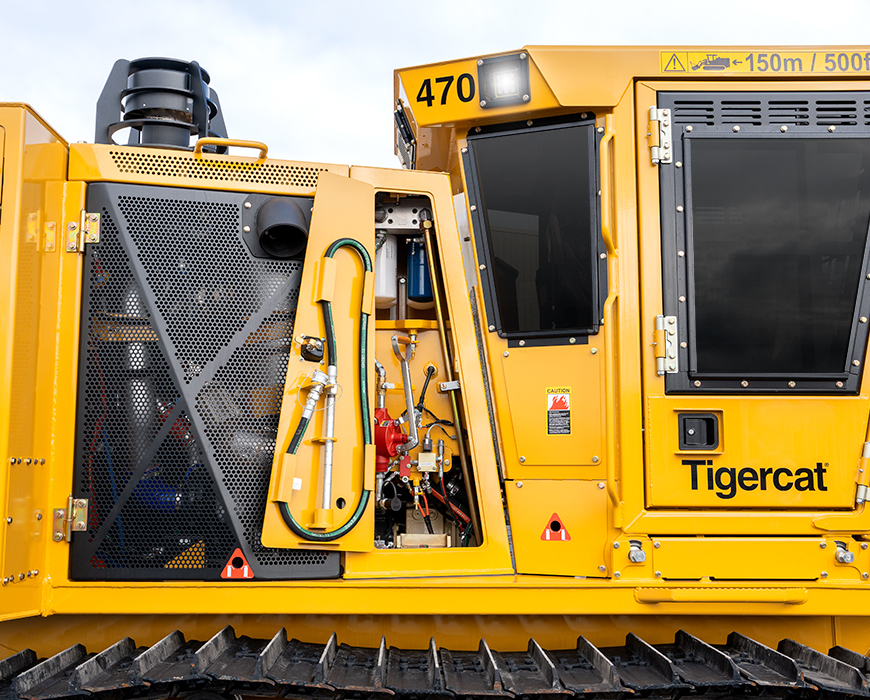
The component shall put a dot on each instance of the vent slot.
(689, 112)
(836, 113)
(741, 112)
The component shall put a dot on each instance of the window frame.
(482, 240)
(678, 272)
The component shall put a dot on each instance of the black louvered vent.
(813, 110)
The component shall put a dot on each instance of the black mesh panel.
(185, 339)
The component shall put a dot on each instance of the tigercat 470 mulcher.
(574, 404)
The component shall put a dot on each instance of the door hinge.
(73, 518)
(660, 141)
(80, 233)
(665, 345)
(862, 492)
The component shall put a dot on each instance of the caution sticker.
(555, 530)
(760, 62)
(559, 410)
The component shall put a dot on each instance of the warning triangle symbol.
(555, 530)
(674, 65)
(237, 566)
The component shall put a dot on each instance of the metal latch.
(665, 345)
(72, 518)
(660, 141)
(79, 233)
(444, 387)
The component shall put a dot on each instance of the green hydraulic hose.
(326, 308)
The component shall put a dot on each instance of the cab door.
(755, 296)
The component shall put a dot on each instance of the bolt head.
(824, 574)
(735, 129)
(59, 513)
(80, 526)
(57, 537)
(480, 61)
(465, 150)
(678, 164)
(658, 574)
(595, 459)
(572, 341)
(506, 353)
(823, 544)
(783, 129)
(72, 226)
(81, 503)
(525, 98)
(39, 516)
(492, 328)
(863, 545)
(616, 545)
(9, 520)
(483, 103)
(865, 575)
(522, 459)
(697, 382)
(602, 568)
(792, 385)
(247, 205)
(690, 128)
(593, 351)
(657, 544)
(600, 485)
(519, 484)
(616, 574)
(473, 207)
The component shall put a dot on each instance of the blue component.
(154, 493)
(419, 284)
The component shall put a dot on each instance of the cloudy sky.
(314, 79)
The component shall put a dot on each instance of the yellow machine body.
(741, 535)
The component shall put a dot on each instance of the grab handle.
(213, 141)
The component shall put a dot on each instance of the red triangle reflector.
(237, 566)
(555, 530)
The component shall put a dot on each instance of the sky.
(314, 80)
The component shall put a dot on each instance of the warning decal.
(237, 566)
(559, 410)
(555, 530)
(771, 61)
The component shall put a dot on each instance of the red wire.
(426, 502)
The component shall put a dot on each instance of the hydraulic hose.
(326, 309)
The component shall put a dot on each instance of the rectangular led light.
(503, 80)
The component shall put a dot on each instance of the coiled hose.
(332, 356)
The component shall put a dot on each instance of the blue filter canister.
(419, 284)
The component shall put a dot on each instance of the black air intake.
(163, 101)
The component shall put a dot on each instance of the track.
(227, 665)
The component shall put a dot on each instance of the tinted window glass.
(778, 232)
(537, 201)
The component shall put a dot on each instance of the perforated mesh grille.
(839, 109)
(185, 345)
(184, 165)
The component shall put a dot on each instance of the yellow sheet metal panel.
(34, 165)
(343, 208)
(763, 558)
(558, 527)
(776, 452)
(505, 632)
(147, 166)
(556, 402)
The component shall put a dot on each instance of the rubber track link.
(227, 665)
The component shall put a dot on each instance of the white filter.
(386, 272)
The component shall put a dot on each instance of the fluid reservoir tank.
(386, 272)
(419, 284)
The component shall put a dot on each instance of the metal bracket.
(444, 387)
(72, 518)
(660, 140)
(78, 234)
(665, 345)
